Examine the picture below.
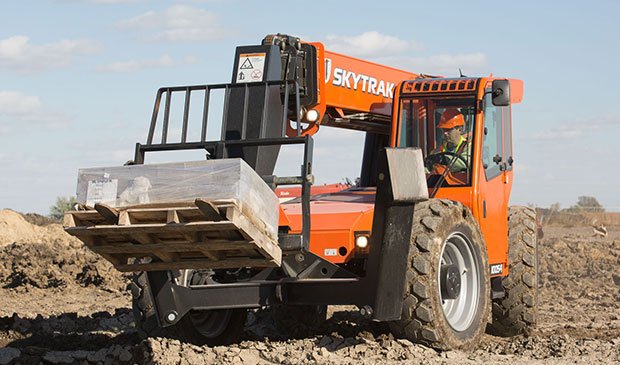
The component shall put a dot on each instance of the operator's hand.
(436, 169)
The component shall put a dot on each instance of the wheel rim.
(211, 323)
(461, 311)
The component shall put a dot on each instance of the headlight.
(361, 241)
(312, 115)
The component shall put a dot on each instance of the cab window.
(442, 128)
(413, 125)
(496, 142)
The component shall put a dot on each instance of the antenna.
(461, 73)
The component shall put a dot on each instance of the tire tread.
(517, 312)
(419, 321)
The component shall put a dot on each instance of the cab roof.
(458, 85)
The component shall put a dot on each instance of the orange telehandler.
(425, 240)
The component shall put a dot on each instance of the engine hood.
(336, 211)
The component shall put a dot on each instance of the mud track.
(61, 304)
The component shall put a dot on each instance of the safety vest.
(443, 147)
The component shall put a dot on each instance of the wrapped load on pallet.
(212, 180)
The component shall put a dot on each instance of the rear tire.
(517, 312)
(445, 240)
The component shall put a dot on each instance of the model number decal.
(497, 269)
(330, 252)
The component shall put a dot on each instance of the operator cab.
(453, 121)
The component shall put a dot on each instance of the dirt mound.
(47, 257)
(52, 265)
(38, 219)
(15, 228)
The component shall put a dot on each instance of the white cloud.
(19, 108)
(601, 122)
(370, 44)
(176, 23)
(561, 133)
(16, 103)
(468, 62)
(568, 131)
(137, 65)
(390, 50)
(17, 53)
(445, 64)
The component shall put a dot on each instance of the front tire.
(446, 303)
(144, 313)
(213, 327)
(207, 327)
(298, 320)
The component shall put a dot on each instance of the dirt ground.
(62, 304)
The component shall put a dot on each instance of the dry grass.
(566, 219)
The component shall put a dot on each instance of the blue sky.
(78, 79)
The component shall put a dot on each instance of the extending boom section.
(356, 94)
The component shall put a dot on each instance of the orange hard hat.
(451, 118)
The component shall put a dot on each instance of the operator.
(455, 145)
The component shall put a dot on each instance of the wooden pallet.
(189, 235)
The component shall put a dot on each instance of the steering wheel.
(443, 158)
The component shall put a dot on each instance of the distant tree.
(587, 204)
(63, 204)
(555, 207)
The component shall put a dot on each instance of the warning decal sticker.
(251, 67)
(246, 65)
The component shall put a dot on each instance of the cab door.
(494, 183)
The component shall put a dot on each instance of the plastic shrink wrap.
(225, 179)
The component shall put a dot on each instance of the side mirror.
(500, 92)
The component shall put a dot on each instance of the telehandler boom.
(426, 239)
